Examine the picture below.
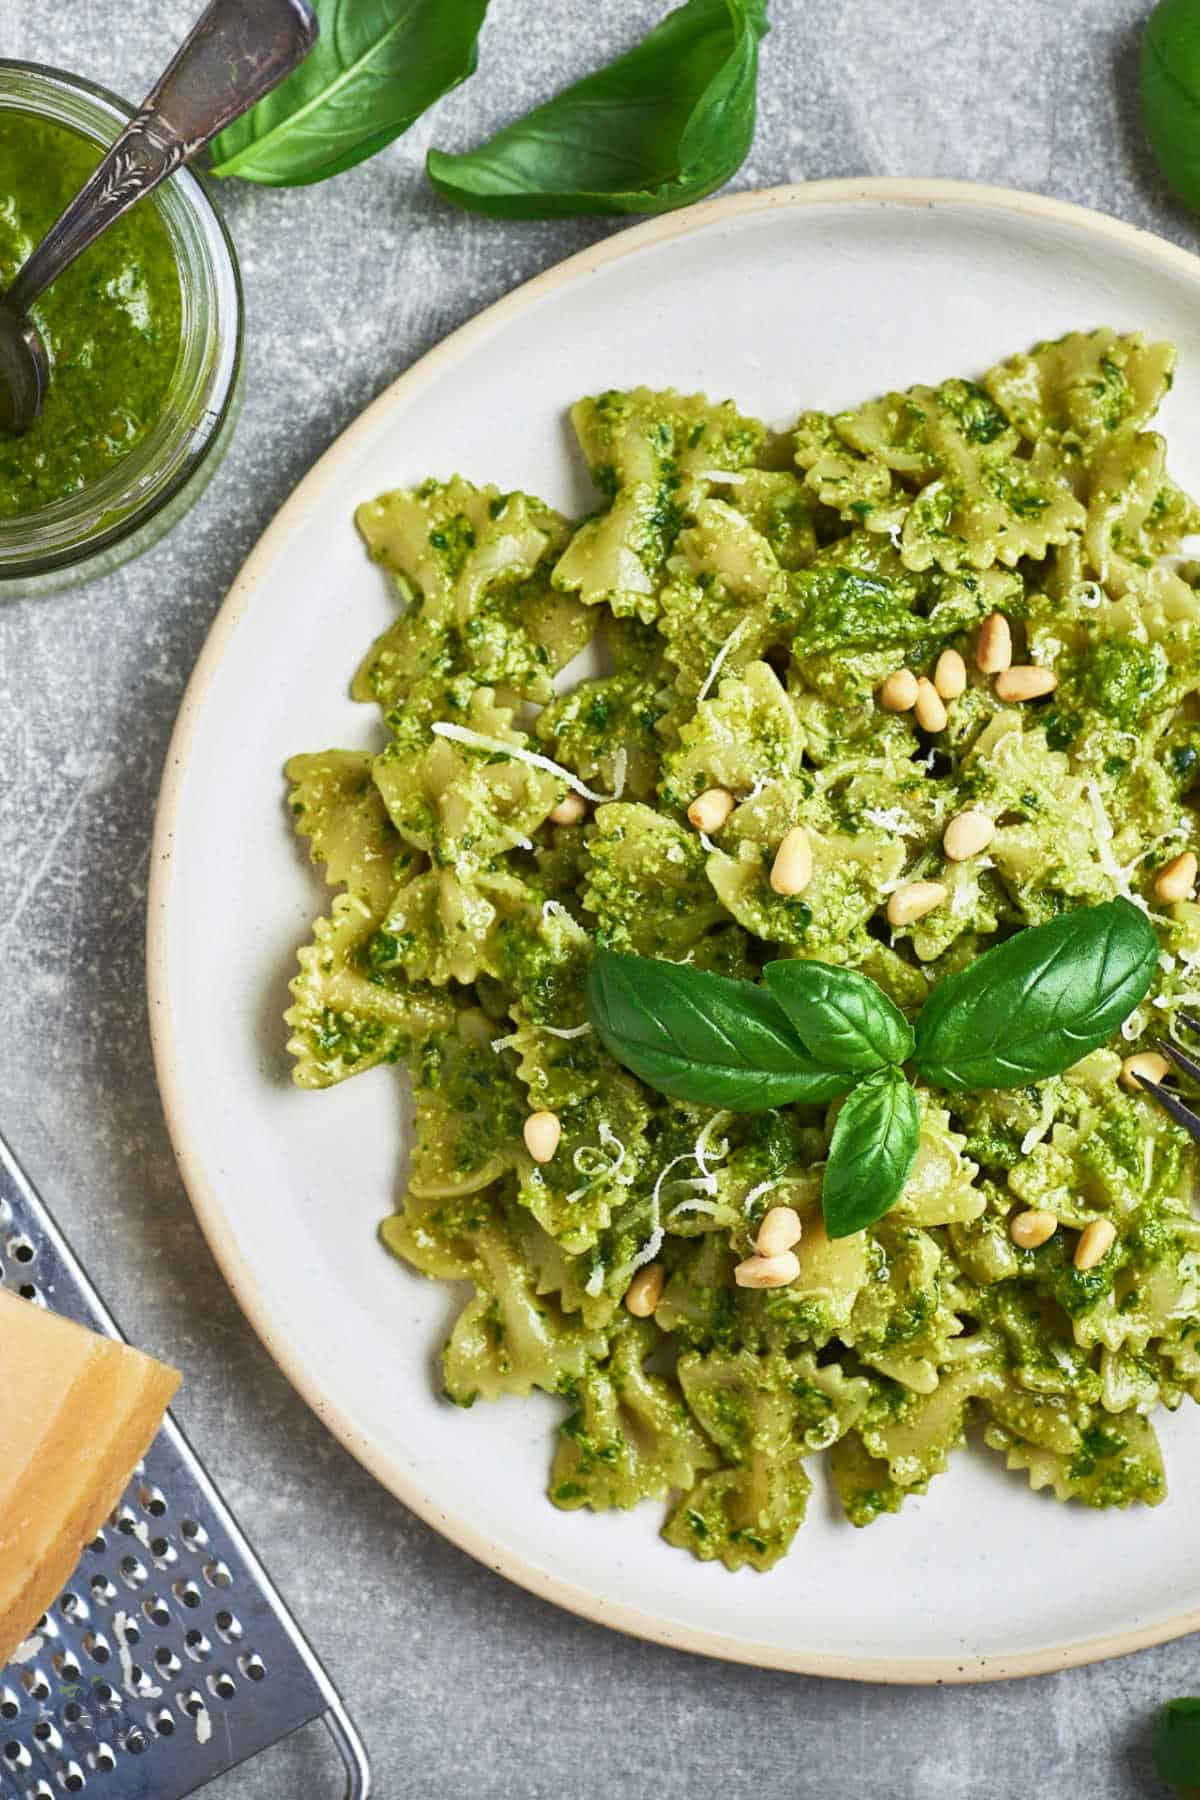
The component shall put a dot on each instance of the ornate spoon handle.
(237, 51)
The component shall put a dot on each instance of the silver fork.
(1187, 1065)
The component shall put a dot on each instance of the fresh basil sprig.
(1038, 1002)
(1170, 88)
(843, 1019)
(1020, 1012)
(377, 66)
(1176, 1745)
(871, 1153)
(661, 126)
(702, 1037)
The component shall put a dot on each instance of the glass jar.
(134, 502)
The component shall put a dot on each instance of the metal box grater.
(169, 1658)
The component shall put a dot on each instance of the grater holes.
(103, 1591)
(35, 1684)
(71, 1778)
(20, 1249)
(166, 1661)
(133, 1573)
(103, 1757)
(162, 1724)
(193, 1535)
(152, 1500)
(10, 1703)
(72, 1712)
(66, 1665)
(221, 1684)
(197, 1646)
(122, 1519)
(16, 1755)
(191, 1703)
(135, 1741)
(28, 1291)
(164, 1552)
(252, 1666)
(107, 1696)
(228, 1626)
(157, 1611)
(73, 1606)
(97, 1646)
(187, 1593)
(45, 1733)
(43, 1791)
(217, 1574)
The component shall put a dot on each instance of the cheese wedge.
(77, 1412)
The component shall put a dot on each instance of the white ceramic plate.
(811, 296)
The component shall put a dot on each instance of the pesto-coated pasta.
(752, 591)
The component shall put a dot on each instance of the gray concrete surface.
(464, 1685)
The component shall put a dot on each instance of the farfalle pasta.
(751, 591)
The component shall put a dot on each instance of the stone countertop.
(463, 1684)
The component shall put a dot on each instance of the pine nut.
(950, 675)
(1148, 1063)
(1177, 880)
(993, 647)
(1095, 1242)
(912, 901)
(779, 1230)
(899, 692)
(768, 1271)
(542, 1132)
(568, 811)
(1025, 681)
(645, 1291)
(1029, 1229)
(792, 869)
(930, 708)
(967, 834)
(711, 810)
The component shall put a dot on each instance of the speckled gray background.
(464, 1685)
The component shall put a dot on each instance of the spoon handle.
(237, 51)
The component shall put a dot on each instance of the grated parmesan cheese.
(719, 658)
(478, 740)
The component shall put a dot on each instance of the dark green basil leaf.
(1177, 1744)
(1038, 1002)
(702, 1037)
(377, 66)
(662, 126)
(843, 1019)
(1170, 83)
(871, 1153)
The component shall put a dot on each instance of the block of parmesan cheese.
(77, 1412)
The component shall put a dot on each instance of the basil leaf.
(1176, 1744)
(844, 1020)
(377, 66)
(663, 125)
(702, 1037)
(1170, 88)
(872, 1152)
(1037, 1003)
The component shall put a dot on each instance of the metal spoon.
(236, 52)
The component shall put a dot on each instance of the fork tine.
(1187, 1065)
(1190, 1020)
(1171, 1103)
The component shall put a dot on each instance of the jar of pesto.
(144, 332)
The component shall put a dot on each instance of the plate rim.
(879, 192)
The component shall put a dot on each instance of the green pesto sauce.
(111, 322)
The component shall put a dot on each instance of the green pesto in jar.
(111, 322)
